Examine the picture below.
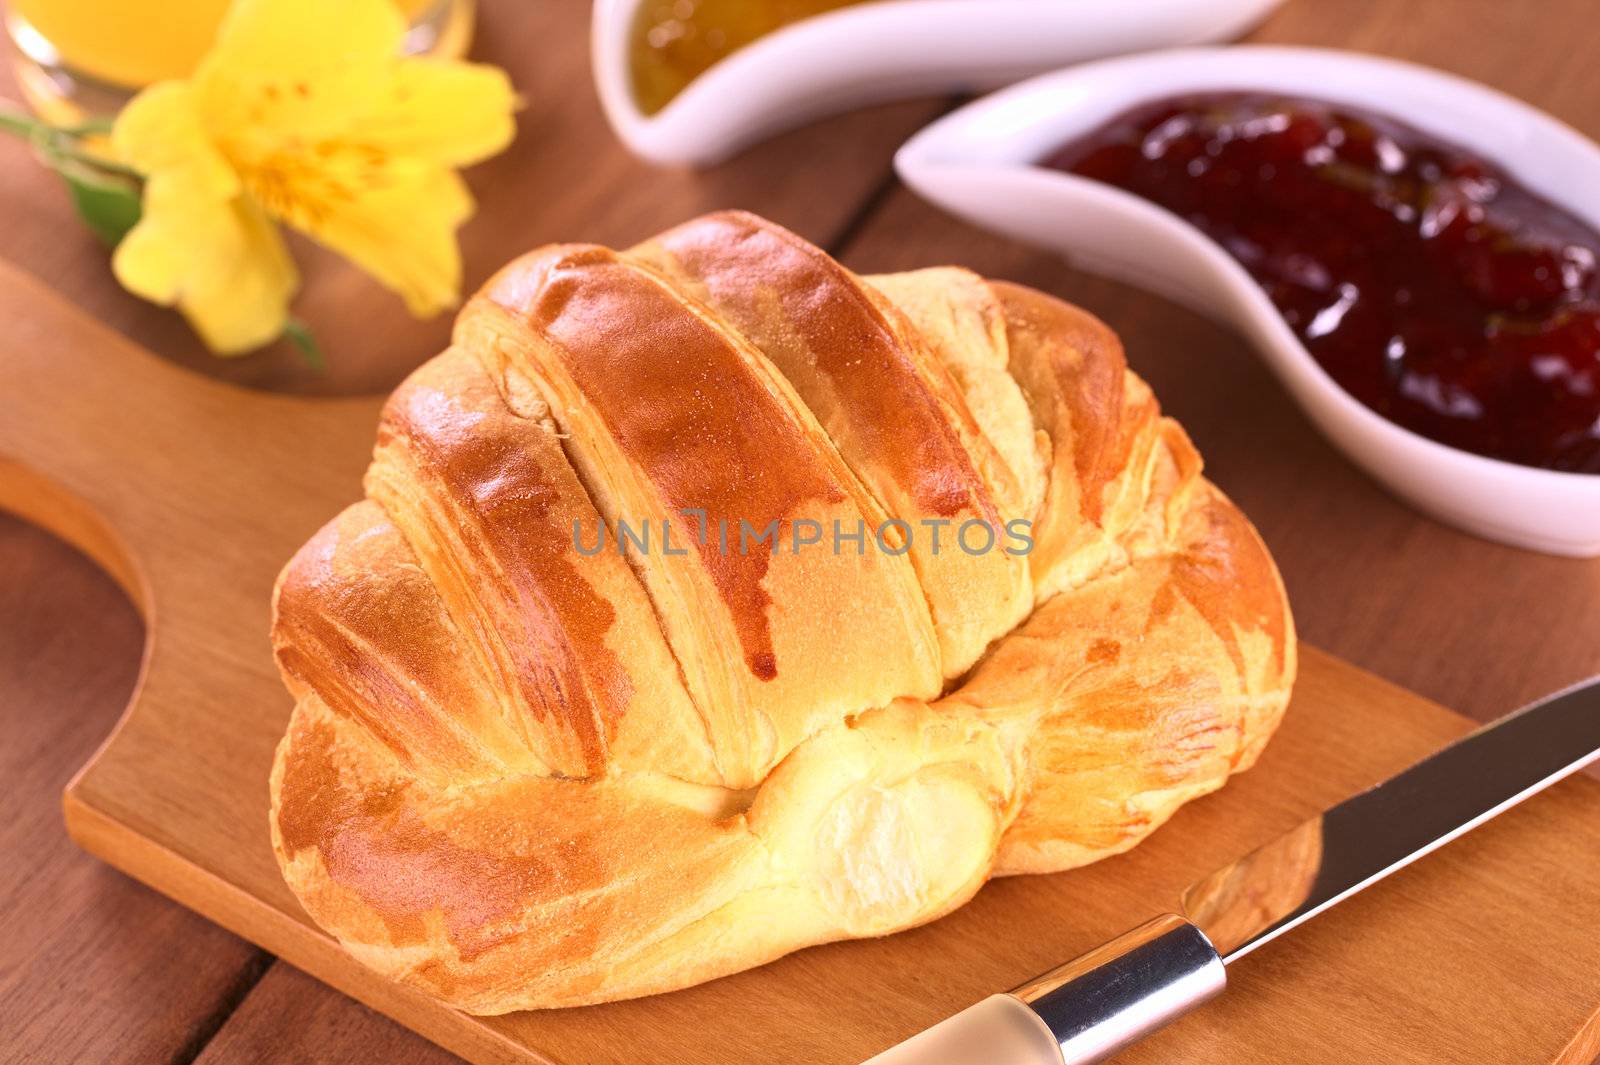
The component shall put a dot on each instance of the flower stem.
(67, 150)
(14, 121)
(62, 142)
(298, 333)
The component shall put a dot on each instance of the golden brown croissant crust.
(522, 772)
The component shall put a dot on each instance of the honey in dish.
(672, 42)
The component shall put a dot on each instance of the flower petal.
(404, 234)
(296, 70)
(444, 111)
(220, 262)
(306, 38)
(159, 132)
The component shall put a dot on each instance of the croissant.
(709, 601)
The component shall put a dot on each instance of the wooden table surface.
(94, 967)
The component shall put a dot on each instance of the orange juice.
(131, 43)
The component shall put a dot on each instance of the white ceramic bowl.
(882, 51)
(980, 163)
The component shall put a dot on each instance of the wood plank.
(203, 530)
(96, 967)
(289, 1016)
(565, 178)
(1479, 627)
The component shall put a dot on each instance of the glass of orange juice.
(78, 59)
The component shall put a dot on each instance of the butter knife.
(1088, 1009)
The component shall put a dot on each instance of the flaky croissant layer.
(529, 766)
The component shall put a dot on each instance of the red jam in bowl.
(1430, 284)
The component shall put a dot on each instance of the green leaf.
(107, 203)
(104, 192)
(298, 333)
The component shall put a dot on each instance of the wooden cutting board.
(193, 493)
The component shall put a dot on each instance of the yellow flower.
(304, 112)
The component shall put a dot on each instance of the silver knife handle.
(1083, 1011)
(1100, 1002)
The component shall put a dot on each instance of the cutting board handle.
(154, 471)
(191, 494)
(92, 436)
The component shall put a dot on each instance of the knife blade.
(1093, 1006)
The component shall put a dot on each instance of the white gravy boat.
(980, 163)
(883, 51)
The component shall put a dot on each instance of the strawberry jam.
(1430, 284)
